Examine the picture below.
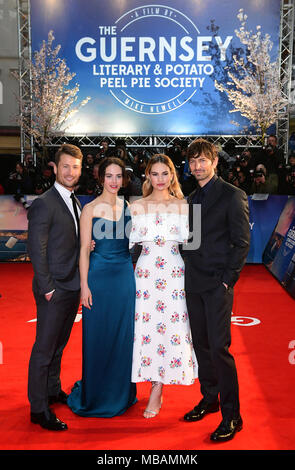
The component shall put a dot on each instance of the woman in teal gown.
(108, 302)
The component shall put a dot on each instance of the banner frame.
(282, 125)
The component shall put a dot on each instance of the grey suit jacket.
(53, 245)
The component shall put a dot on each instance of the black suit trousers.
(55, 319)
(210, 320)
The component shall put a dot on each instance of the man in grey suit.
(53, 246)
(211, 272)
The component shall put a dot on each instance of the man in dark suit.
(211, 272)
(53, 246)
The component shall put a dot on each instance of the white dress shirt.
(66, 195)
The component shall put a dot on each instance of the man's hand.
(225, 285)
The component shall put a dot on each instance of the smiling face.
(113, 178)
(68, 171)
(160, 176)
(202, 168)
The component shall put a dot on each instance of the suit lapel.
(212, 196)
(63, 205)
(191, 196)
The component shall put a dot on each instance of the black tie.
(76, 212)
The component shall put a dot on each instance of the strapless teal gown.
(108, 328)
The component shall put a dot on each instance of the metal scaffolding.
(153, 141)
(285, 62)
(25, 83)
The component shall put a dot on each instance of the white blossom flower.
(53, 100)
(254, 86)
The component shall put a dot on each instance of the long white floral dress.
(163, 348)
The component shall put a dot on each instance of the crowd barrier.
(272, 228)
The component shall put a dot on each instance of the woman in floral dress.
(162, 352)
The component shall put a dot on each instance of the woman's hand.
(86, 297)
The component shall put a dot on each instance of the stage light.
(53, 6)
(120, 4)
(124, 127)
(258, 4)
(82, 126)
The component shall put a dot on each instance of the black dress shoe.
(60, 398)
(48, 421)
(227, 430)
(201, 410)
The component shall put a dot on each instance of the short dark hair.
(68, 149)
(107, 161)
(199, 146)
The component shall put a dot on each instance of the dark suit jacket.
(53, 245)
(225, 239)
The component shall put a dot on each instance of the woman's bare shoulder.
(182, 201)
(89, 208)
(138, 207)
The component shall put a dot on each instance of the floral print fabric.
(162, 345)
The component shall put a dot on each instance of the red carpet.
(264, 362)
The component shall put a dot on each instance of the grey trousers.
(55, 319)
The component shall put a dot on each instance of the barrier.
(264, 215)
(279, 254)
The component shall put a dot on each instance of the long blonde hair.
(174, 188)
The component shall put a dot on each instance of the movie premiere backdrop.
(150, 68)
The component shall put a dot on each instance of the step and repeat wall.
(272, 229)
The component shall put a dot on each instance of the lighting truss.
(285, 62)
(25, 82)
(153, 141)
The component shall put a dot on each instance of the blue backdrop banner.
(264, 216)
(279, 254)
(150, 68)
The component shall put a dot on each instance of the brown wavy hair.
(199, 146)
(107, 161)
(68, 149)
(174, 188)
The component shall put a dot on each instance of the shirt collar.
(208, 185)
(62, 190)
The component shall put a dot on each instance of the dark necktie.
(74, 202)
